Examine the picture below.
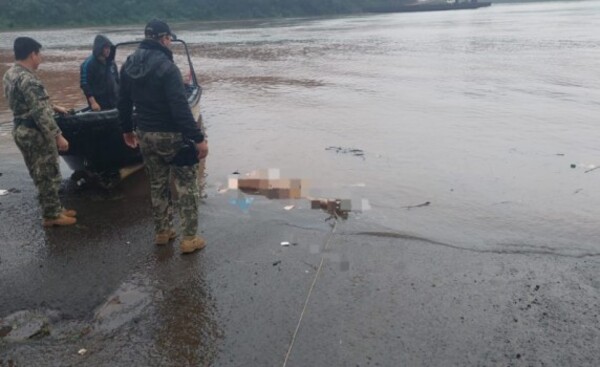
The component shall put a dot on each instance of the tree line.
(64, 13)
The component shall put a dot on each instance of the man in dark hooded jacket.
(169, 138)
(99, 77)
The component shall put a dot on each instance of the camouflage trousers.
(158, 150)
(41, 159)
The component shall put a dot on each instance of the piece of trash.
(242, 202)
(128, 242)
(418, 205)
(222, 191)
(573, 165)
(285, 243)
(82, 351)
(81, 182)
(235, 173)
(353, 151)
(288, 207)
(3, 192)
(277, 263)
(337, 208)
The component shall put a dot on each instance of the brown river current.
(481, 113)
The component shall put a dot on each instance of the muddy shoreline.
(104, 288)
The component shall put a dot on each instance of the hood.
(147, 59)
(99, 42)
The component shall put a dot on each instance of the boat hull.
(96, 147)
(96, 142)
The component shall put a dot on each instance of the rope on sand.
(289, 352)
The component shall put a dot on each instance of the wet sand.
(346, 293)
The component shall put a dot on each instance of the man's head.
(159, 31)
(27, 50)
(103, 48)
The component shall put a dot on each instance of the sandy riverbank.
(351, 293)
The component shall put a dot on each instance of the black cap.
(156, 28)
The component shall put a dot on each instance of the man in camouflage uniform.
(169, 138)
(35, 131)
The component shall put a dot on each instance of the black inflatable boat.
(97, 151)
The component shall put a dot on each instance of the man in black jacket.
(99, 78)
(169, 138)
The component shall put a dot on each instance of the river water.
(479, 112)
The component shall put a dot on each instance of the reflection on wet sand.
(186, 332)
(101, 211)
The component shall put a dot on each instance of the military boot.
(190, 244)
(69, 212)
(163, 238)
(61, 220)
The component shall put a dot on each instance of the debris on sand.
(340, 208)
(9, 191)
(353, 151)
(588, 167)
(24, 325)
(337, 208)
(427, 203)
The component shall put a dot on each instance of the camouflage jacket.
(28, 99)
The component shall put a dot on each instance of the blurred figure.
(35, 131)
(99, 77)
(170, 140)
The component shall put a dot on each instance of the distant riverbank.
(54, 13)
